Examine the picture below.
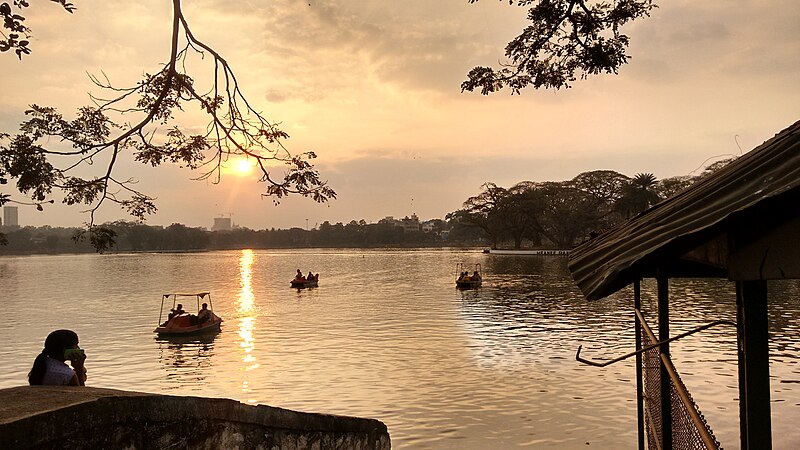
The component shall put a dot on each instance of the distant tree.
(52, 153)
(565, 39)
(486, 211)
(525, 205)
(354, 232)
(605, 185)
(638, 195)
(715, 166)
(667, 187)
(568, 213)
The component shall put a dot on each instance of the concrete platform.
(45, 417)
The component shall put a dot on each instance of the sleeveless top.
(57, 373)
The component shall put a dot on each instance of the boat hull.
(191, 330)
(304, 284)
(468, 284)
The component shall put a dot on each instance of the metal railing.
(689, 428)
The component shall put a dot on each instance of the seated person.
(177, 311)
(50, 368)
(204, 315)
(476, 276)
(299, 277)
(310, 276)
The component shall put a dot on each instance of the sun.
(242, 167)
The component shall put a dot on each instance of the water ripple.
(387, 335)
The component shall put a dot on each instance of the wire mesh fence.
(689, 428)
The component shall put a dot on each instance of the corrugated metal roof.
(677, 225)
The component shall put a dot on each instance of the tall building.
(10, 216)
(222, 223)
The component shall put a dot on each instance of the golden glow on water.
(442, 368)
(247, 318)
(245, 281)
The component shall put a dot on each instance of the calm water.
(386, 335)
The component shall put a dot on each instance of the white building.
(406, 223)
(10, 216)
(410, 223)
(222, 224)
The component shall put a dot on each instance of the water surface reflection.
(247, 321)
(187, 359)
(387, 335)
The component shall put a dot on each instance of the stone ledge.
(84, 417)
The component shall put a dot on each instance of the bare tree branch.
(235, 128)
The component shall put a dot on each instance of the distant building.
(10, 216)
(222, 224)
(410, 223)
(406, 223)
(428, 226)
(389, 220)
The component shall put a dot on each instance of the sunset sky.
(373, 87)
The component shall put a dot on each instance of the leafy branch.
(100, 133)
(16, 34)
(566, 39)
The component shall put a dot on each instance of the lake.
(387, 335)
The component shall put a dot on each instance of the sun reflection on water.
(247, 319)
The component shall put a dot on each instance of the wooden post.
(663, 335)
(637, 304)
(755, 424)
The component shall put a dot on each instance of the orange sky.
(374, 89)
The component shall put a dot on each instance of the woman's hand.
(77, 361)
(81, 372)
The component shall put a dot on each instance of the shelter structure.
(741, 223)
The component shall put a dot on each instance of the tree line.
(565, 40)
(550, 214)
(564, 213)
(130, 236)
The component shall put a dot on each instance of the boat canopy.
(198, 295)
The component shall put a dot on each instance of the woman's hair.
(54, 347)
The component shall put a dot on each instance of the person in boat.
(176, 312)
(310, 276)
(204, 315)
(49, 367)
(299, 278)
(476, 276)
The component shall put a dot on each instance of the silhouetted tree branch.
(15, 34)
(565, 39)
(104, 133)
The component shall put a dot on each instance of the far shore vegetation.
(566, 40)
(544, 215)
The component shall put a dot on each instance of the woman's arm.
(80, 374)
(80, 371)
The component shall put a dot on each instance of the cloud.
(707, 33)
(373, 87)
(330, 48)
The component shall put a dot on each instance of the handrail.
(652, 346)
(699, 424)
(652, 426)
